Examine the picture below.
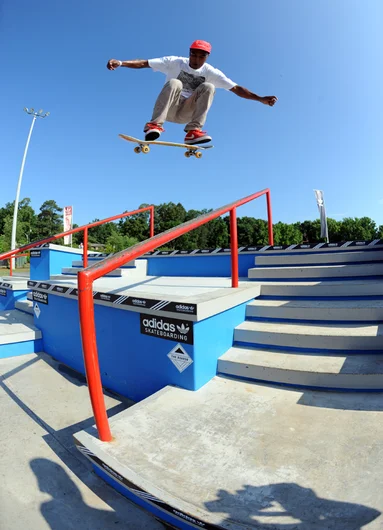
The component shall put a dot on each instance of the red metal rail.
(84, 228)
(10, 263)
(87, 276)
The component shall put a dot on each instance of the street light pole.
(35, 115)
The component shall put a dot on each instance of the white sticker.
(37, 310)
(180, 358)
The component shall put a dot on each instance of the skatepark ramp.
(256, 374)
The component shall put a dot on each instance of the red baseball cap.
(201, 45)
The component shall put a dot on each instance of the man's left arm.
(246, 94)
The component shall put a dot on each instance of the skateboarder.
(188, 92)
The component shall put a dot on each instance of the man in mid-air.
(188, 92)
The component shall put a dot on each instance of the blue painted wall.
(133, 364)
(204, 265)
(214, 336)
(8, 302)
(20, 348)
(51, 262)
(40, 266)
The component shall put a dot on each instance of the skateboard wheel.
(187, 154)
(145, 149)
(137, 150)
(198, 154)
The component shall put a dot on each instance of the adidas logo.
(183, 329)
(182, 307)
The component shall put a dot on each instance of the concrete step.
(353, 372)
(25, 305)
(318, 289)
(73, 271)
(319, 258)
(351, 337)
(128, 265)
(136, 269)
(324, 310)
(18, 334)
(318, 271)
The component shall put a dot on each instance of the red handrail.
(15, 251)
(86, 277)
(10, 263)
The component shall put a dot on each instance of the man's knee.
(207, 87)
(174, 83)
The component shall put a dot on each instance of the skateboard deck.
(143, 146)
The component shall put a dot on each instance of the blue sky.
(323, 60)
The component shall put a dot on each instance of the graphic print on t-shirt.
(190, 82)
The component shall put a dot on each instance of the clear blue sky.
(323, 60)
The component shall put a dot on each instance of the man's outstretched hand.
(113, 64)
(269, 100)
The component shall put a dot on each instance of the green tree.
(334, 230)
(363, 228)
(312, 231)
(218, 233)
(101, 233)
(168, 215)
(246, 227)
(117, 242)
(197, 238)
(287, 234)
(49, 220)
(137, 225)
(26, 221)
(260, 232)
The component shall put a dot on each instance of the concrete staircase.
(324, 335)
(364, 264)
(18, 334)
(137, 268)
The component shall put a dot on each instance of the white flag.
(322, 212)
(68, 223)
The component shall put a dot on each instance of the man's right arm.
(136, 63)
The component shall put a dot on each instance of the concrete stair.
(136, 268)
(345, 337)
(320, 310)
(316, 271)
(320, 289)
(342, 371)
(18, 334)
(25, 305)
(322, 334)
(320, 258)
(92, 261)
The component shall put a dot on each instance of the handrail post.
(269, 218)
(85, 249)
(89, 347)
(152, 221)
(234, 247)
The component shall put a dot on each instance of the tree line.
(112, 237)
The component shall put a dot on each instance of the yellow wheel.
(187, 154)
(145, 149)
(198, 154)
(137, 150)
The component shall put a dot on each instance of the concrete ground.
(45, 483)
(246, 456)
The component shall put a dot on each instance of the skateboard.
(143, 146)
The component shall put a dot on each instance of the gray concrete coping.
(194, 298)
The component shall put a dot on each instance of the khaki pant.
(171, 106)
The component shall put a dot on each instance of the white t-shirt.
(178, 68)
